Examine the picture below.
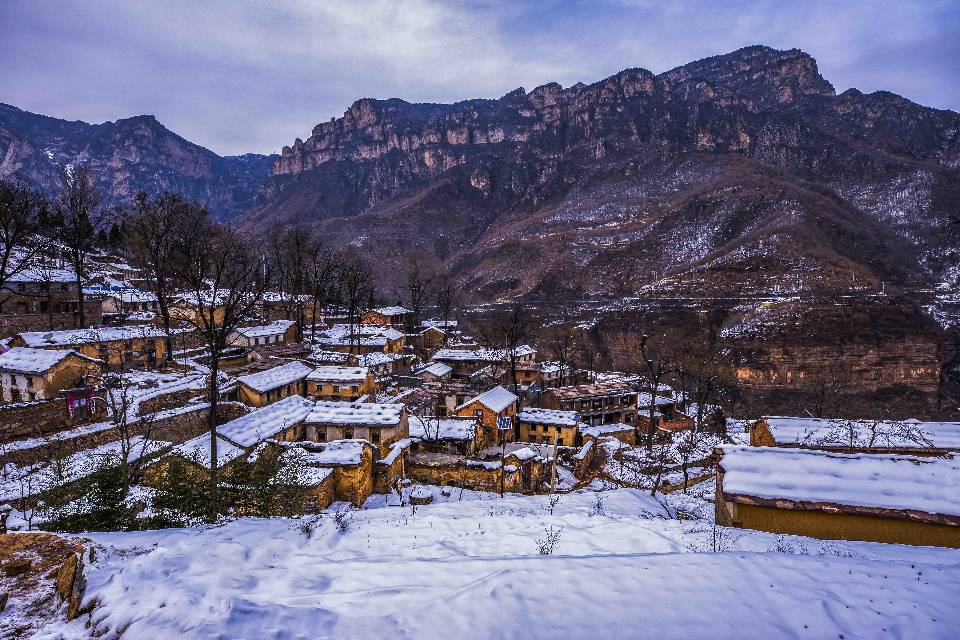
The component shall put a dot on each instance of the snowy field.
(471, 567)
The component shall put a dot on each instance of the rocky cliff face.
(738, 172)
(127, 156)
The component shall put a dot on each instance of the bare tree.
(321, 269)
(506, 334)
(564, 348)
(419, 275)
(447, 296)
(655, 362)
(356, 288)
(21, 226)
(79, 204)
(152, 233)
(225, 279)
(294, 252)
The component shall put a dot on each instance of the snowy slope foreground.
(472, 569)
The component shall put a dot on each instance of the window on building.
(321, 435)
(348, 434)
(375, 436)
(354, 389)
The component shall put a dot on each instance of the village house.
(543, 425)
(188, 306)
(191, 460)
(488, 408)
(136, 346)
(436, 372)
(466, 362)
(666, 415)
(42, 298)
(874, 497)
(340, 383)
(597, 403)
(277, 332)
(379, 424)
(383, 365)
(352, 462)
(363, 339)
(264, 387)
(28, 374)
(386, 316)
(446, 434)
(282, 420)
(835, 434)
(129, 301)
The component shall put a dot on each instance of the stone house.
(28, 374)
(596, 403)
(543, 425)
(352, 462)
(436, 372)
(379, 424)
(487, 408)
(386, 316)
(364, 338)
(264, 387)
(282, 420)
(625, 433)
(40, 298)
(277, 332)
(840, 496)
(136, 346)
(340, 383)
(468, 361)
(445, 434)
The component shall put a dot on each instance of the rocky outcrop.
(127, 156)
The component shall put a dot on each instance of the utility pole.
(553, 467)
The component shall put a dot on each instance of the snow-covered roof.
(322, 355)
(597, 389)
(496, 399)
(71, 337)
(132, 296)
(43, 274)
(481, 354)
(278, 327)
(602, 429)
(276, 377)
(342, 332)
(549, 416)
(437, 369)
(333, 373)
(930, 485)
(198, 450)
(428, 428)
(376, 358)
(391, 311)
(340, 452)
(29, 360)
(356, 413)
(878, 434)
(265, 423)
(439, 324)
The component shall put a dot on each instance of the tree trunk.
(214, 397)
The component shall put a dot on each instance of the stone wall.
(39, 418)
(439, 470)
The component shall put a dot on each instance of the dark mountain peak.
(758, 76)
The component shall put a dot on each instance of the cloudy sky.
(238, 76)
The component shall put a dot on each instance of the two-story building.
(276, 332)
(493, 410)
(387, 316)
(135, 346)
(597, 403)
(543, 425)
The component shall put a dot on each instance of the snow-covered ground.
(473, 568)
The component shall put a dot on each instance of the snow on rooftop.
(442, 428)
(276, 377)
(334, 373)
(931, 485)
(392, 311)
(602, 429)
(340, 452)
(132, 295)
(882, 434)
(496, 399)
(265, 423)
(198, 450)
(355, 413)
(29, 360)
(438, 369)
(481, 354)
(71, 337)
(278, 327)
(549, 416)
